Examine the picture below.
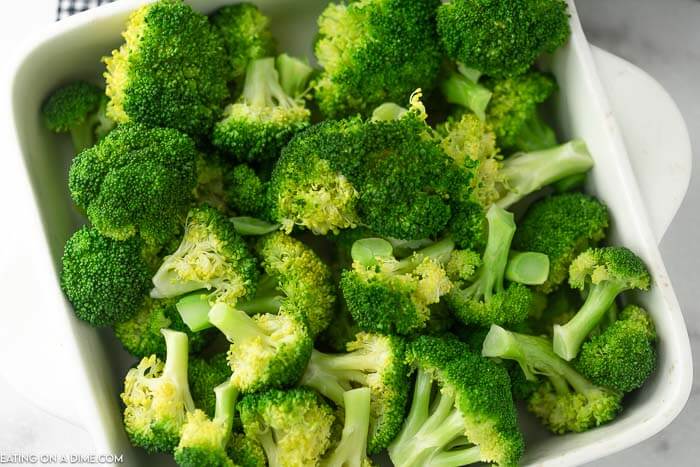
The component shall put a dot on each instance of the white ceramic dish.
(75, 371)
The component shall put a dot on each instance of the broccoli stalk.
(294, 75)
(529, 267)
(526, 173)
(567, 401)
(352, 448)
(464, 90)
(250, 226)
(609, 272)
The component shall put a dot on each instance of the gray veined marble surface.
(660, 36)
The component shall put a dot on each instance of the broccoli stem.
(529, 268)
(194, 311)
(461, 90)
(352, 449)
(569, 337)
(250, 226)
(439, 251)
(388, 112)
(535, 135)
(224, 411)
(331, 375)
(236, 325)
(451, 458)
(262, 87)
(527, 172)
(82, 136)
(294, 75)
(267, 441)
(268, 298)
(175, 367)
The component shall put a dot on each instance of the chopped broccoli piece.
(245, 191)
(529, 267)
(462, 410)
(250, 226)
(104, 279)
(295, 74)
(607, 272)
(204, 374)
(170, 72)
(157, 397)
(501, 38)
(461, 89)
(462, 265)
(294, 427)
(352, 448)
(468, 226)
(372, 361)
(485, 299)
(136, 180)
(246, 452)
(566, 400)
(211, 181)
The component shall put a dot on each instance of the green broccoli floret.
(389, 296)
(468, 226)
(211, 185)
(246, 34)
(462, 88)
(375, 51)
(141, 336)
(203, 441)
(245, 191)
(265, 117)
(170, 71)
(485, 299)
(606, 273)
(501, 38)
(462, 410)
(565, 401)
(462, 265)
(266, 350)
(204, 374)
(352, 448)
(372, 361)
(136, 180)
(561, 226)
(246, 452)
(623, 356)
(294, 427)
(211, 256)
(79, 109)
(104, 279)
(157, 397)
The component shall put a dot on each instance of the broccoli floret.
(372, 361)
(513, 112)
(245, 191)
(104, 279)
(606, 273)
(561, 226)
(79, 109)
(462, 88)
(264, 118)
(293, 427)
(204, 374)
(485, 299)
(246, 452)
(462, 410)
(565, 401)
(468, 226)
(141, 334)
(501, 38)
(389, 296)
(211, 185)
(170, 72)
(266, 350)
(204, 439)
(375, 51)
(623, 356)
(157, 397)
(136, 180)
(246, 34)
(462, 265)
(211, 256)
(352, 448)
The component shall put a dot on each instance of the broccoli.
(375, 362)
(157, 397)
(623, 356)
(352, 448)
(246, 452)
(485, 299)
(141, 336)
(79, 109)
(462, 410)
(462, 265)
(265, 117)
(513, 112)
(211, 256)
(266, 350)
(104, 279)
(294, 427)
(374, 51)
(565, 401)
(204, 374)
(462, 88)
(203, 441)
(136, 180)
(607, 272)
(246, 34)
(468, 226)
(389, 296)
(245, 191)
(561, 226)
(528, 267)
(501, 38)
(250, 226)
(170, 71)
(211, 187)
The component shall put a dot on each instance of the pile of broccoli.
(314, 267)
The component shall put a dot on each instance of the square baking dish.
(75, 371)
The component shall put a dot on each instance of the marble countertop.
(663, 38)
